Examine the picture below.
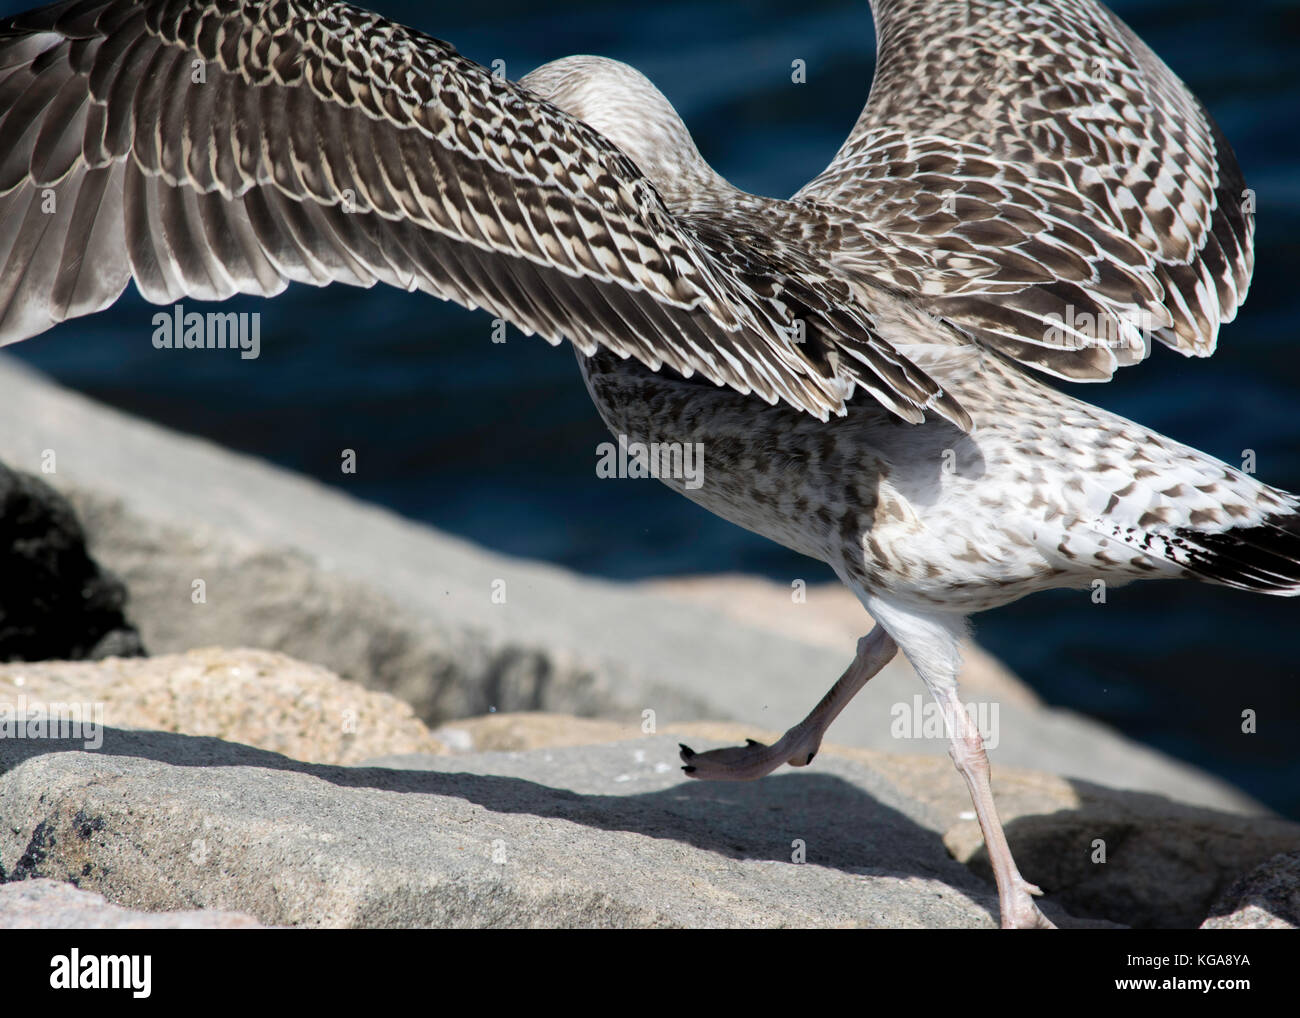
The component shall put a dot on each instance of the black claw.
(689, 770)
(810, 758)
(686, 750)
(752, 742)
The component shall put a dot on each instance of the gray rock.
(290, 565)
(1267, 898)
(49, 905)
(1141, 858)
(55, 601)
(1128, 857)
(254, 697)
(605, 836)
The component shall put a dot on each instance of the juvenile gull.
(1028, 187)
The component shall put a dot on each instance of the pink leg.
(1015, 893)
(800, 744)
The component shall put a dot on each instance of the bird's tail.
(1185, 509)
(1263, 556)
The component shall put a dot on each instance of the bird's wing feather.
(1037, 175)
(210, 147)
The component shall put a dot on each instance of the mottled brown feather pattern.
(347, 148)
(1026, 182)
(1020, 146)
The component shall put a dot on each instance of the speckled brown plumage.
(1028, 187)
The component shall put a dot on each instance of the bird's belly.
(753, 465)
(918, 512)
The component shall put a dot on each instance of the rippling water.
(497, 442)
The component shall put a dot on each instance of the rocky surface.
(253, 697)
(1267, 898)
(598, 836)
(594, 836)
(545, 820)
(217, 549)
(1134, 858)
(41, 904)
(55, 601)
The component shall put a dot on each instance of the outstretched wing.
(1038, 176)
(211, 147)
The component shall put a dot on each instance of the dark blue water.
(497, 442)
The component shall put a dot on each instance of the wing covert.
(1037, 175)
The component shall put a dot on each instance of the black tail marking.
(1264, 558)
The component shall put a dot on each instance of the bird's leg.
(800, 744)
(1015, 893)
